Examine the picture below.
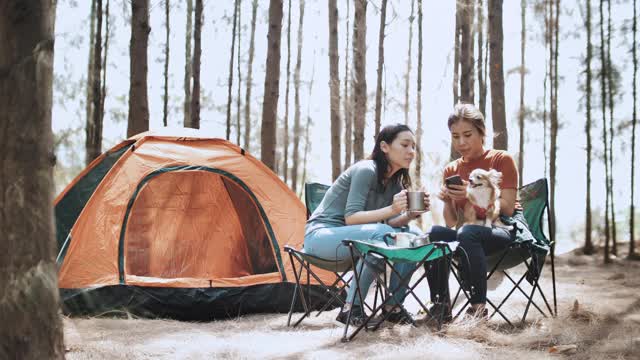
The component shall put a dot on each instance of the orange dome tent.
(174, 224)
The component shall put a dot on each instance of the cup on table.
(415, 200)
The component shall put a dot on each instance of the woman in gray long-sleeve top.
(367, 201)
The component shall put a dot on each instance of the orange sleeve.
(507, 166)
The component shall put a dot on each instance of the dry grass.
(599, 318)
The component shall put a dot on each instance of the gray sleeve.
(361, 180)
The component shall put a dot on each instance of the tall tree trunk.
(603, 97)
(285, 142)
(271, 86)
(521, 113)
(588, 243)
(482, 79)
(548, 81)
(89, 99)
(632, 214)
(347, 101)
(104, 73)
(247, 99)
(359, 77)
(466, 52)
(456, 55)
(407, 77)
(195, 67)
(296, 114)
(165, 97)
(187, 66)
(334, 88)
(378, 109)
(231, 59)
(308, 125)
(418, 179)
(138, 101)
(554, 124)
(94, 128)
(614, 248)
(239, 96)
(32, 326)
(496, 74)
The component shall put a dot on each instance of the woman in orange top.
(467, 128)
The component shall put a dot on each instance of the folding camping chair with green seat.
(420, 255)
(314, 193)
(534, 200)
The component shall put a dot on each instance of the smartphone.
(453, 180)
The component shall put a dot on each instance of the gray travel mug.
(415, 200)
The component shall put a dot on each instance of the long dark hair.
(388, 134)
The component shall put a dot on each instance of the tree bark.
(522, 112)
(103, 92)
(239, 96)
(89, 99)
(307, 126)
(456, 55)
(378, 108)
(588, 242)
(195, 67)
(359, 77)
(271, 86)
(554, 125)
(496, 74)
(407, 77)
(466, 52)
(418, 179)
(165, 97)
(187, 66)
(231, 59)
(32, 326)
(632, 241)
(285, 142)
(612, 89)
(482, 79)
(94, 134)
(334, 88)
(347, 101)
(247, 99)
(296, 114)
(603, 96)
(138, 101)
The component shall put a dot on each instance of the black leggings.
(478, 242)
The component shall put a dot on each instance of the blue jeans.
(478, 242)
(327, 243)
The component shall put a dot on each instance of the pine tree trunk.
(296, 114)
(89, 99)
(271, 86)
(187, 65)
(359, 77)
(418, 179)
(138, 101)
(247, 99)
(165, 98)
(29, 309)
(603, 96)
(632, 214)
(588, 242)
(104, 74)
(407, 77)
(195, 67)
(456, 55)
(309, 123)
(378, 108)
(231, 59)
(285, 142)
(482, 80)
(554, 125)
(466, 52)
(521, 114)
(496, 74)
(239, 95)
(347, 101)
(614, 248)
(94, 133)
(548, 81)
(334, 88)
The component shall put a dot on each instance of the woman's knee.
(471, 234)
(380, 230)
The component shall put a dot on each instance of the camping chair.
(421, 255)
(335, 292)
(534, 200)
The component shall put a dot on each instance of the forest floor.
(598, 318)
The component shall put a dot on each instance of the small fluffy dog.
(483, 193)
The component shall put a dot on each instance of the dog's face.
(480, 179)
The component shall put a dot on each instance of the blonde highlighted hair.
(469, 113)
